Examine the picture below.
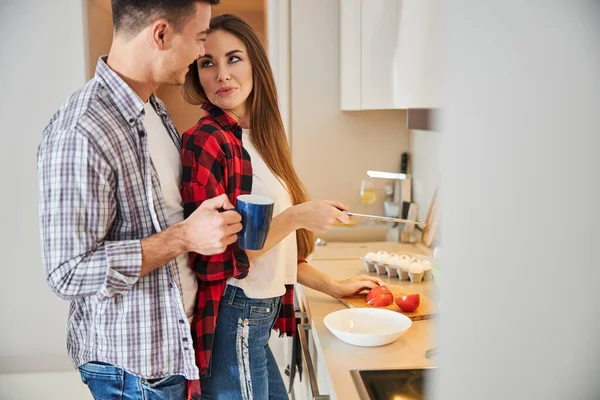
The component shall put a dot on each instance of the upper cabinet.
(387, 54)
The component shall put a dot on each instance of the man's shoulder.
(82, 115)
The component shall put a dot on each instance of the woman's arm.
(317, 280)
(204, 177)
(312, 215)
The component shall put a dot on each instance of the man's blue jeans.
(107, 382)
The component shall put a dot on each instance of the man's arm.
(207, 231)
(78, 207)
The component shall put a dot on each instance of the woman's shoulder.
(207, 128)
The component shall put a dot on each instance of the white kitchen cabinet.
(416, 55)
(387, 54)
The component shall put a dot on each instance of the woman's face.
(225, 72)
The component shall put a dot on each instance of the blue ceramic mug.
(256, 212)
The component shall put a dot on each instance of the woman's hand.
(319, 216)
(355, 285)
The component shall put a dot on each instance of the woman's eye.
(234, 59)
(206, 63)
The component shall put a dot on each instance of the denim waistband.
(234, 294)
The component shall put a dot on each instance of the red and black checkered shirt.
(215, 162)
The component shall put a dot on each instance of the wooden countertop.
(340, 358)
(352, 251)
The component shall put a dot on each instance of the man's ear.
(160, 32)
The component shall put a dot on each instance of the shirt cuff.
(124, 260)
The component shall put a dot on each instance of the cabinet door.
(378, 30)
(282, 351)
(350, 86)
(416, 65)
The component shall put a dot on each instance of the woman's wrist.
(333, 288)
(295, 216)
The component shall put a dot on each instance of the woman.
(240, 147)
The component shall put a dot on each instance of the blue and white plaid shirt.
(99, 196)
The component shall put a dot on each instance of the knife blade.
(387, 219)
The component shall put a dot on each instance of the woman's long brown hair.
(266, 127)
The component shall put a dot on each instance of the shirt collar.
(127, 101)
(223, 119)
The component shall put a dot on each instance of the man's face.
(184, 47)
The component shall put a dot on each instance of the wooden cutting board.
(427, 309)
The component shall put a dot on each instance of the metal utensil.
(387, 219)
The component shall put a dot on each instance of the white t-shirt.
(167, 162)
(278, 267)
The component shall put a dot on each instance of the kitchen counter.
(339, 358)
(352, 251)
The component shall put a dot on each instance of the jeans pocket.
(166, 382)
(261, 311)
(105, 381)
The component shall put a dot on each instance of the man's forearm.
(160, 248)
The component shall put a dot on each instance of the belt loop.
(231, 294)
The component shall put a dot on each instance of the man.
(113, 236)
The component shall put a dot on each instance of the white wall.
(520, 169)
(43, 61)
(332, 150)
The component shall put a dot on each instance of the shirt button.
(181, 321)
(170, 285)
(141, 133)
(185, 339)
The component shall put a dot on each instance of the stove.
(392, 384)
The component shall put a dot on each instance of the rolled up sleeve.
(77, 209)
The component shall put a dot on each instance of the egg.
(405, 264)
(382, 256)
(394, 260)
(416, 268)
(426, 264)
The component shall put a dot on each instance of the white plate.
(367, 326)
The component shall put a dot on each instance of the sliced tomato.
(408, 303)
(380, 296)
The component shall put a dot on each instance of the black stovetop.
(392, 384)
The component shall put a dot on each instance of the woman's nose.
(224, 75)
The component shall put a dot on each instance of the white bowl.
(367, 326)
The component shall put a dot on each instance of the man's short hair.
(131, 16)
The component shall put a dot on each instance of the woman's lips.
(225, 91)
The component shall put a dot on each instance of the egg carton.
(402, 272)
